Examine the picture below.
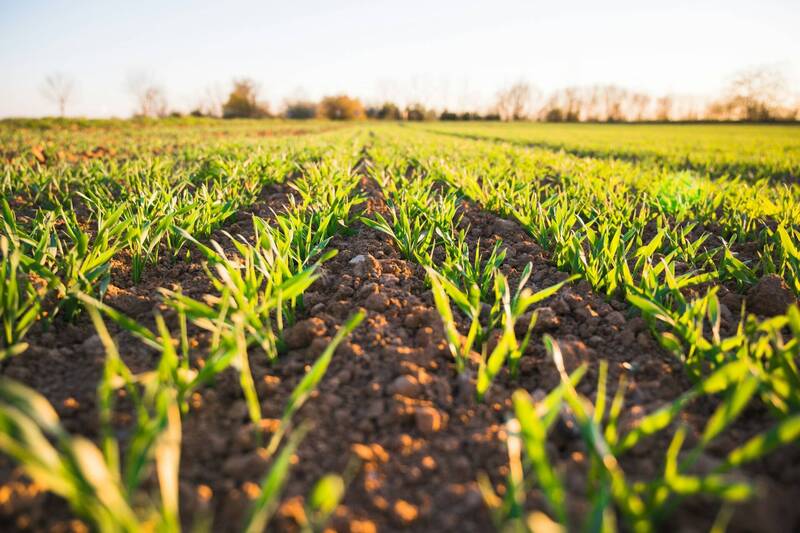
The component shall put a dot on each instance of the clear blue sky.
(445, 53)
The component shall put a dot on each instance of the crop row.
(594, 225)
(748, 152)
(259, 286)
(53, 142)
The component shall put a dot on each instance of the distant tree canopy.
(341, 107)
(755, 95)
(300, 109)
(419, 112)
(243, 101)
(467, 115)
(386, 111)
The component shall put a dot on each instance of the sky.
(445, 53)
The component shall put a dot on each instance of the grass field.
(752, 152)
(237, 325)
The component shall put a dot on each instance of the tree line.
(754, 95)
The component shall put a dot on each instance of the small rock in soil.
(428, 420)
(366, 266)
(405, 512)
(362, 526)
(405, 386)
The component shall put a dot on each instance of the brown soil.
(391, 397)
(770, 296)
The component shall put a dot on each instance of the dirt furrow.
(65, 360)
(393, 398)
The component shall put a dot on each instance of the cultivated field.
(238, 325)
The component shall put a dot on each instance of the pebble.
(405, 512)
(268, 385)
(362, 526)
(428, 420)
(366, 266)
(405, 386)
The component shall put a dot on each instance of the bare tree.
(58, 88)
(664, 108)
(514, 103)
(572, 104)
(755, 94)
(589, 103)
(613, 98)
(150, 98)
(639, 103)
(212, 100)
